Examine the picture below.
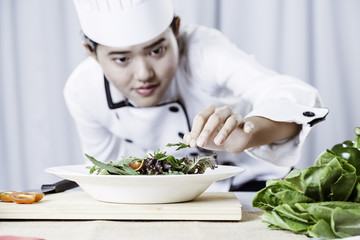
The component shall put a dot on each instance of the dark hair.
(92, 44)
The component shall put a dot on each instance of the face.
(141, 72)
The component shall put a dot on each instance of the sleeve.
(270, 95)
(96, 140)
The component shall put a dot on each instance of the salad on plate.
(156, 163)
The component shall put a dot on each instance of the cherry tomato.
(136, 164)
(23, 197)
(38, 196)
(5, 196)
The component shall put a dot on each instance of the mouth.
(147, 89)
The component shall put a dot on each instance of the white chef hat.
(120, 23)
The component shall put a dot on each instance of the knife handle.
(60, 186)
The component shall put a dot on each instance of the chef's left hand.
(219, 128)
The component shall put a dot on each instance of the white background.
(40, 44)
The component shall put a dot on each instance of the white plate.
(143, 188)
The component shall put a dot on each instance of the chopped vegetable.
(157, 163)
(5, 196)
(321, 201)
(38, 196)
(20, 197)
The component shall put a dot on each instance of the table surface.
(250, 227)
(245, 199)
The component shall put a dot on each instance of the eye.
(122, 60)
(157, 51)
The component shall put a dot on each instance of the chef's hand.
(219, 128)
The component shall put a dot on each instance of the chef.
(149, 81)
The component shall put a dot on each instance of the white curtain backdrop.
(40, 44)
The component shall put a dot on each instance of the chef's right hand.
(219, 128)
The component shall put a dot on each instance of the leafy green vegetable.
(278, 192)
(180, 145)
(109, 167)
(157, 163)
(320, 201)
(332, 178)
(350, 150)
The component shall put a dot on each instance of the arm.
(218, 128)
(267, 131)
(273, 105)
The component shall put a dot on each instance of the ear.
(177, 23)
(89, 50)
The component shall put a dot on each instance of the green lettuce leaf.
(320, 201)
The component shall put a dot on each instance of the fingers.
(230, 125)
(198, 124)
(187, 138)
(217, 124)
(210, 121)
(248, 127)
(216, 119)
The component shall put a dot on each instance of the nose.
(143, 71)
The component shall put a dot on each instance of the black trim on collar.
(110, 102)
(126, 103)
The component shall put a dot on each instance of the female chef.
(149, 82)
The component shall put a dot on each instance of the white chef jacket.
(211, 70)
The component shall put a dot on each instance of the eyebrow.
(147, 47)
(155, 43)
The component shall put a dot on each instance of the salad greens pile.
(157, 163)
(321, 201)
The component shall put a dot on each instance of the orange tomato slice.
(23, 197)
(38, 196)
(5, 196)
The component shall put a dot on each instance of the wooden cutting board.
(210, 206)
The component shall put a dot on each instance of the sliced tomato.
(5, 196)
(38, 196)
(136, 164)
(23, 197)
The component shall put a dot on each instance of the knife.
(60, 186)
(57, 187)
